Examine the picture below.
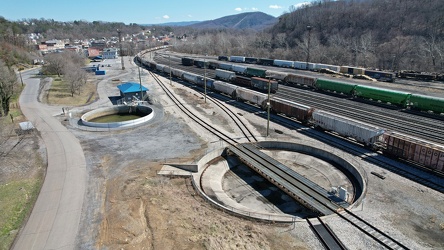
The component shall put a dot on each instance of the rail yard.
(254, 184)
(385, 167)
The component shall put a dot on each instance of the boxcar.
(262, 84)
(222, 58)
(361, 132)
(427, 103)
(187, 61)
(300, 65)
(242, 81)
(352, 70)
(335, 86)
(291, 109)
(251, 96)
(281, 76)
(255, 72)
(226, 88)
(383, 95)
(301, 80)
(225, 74)
(283, 63)
(225, 66)
(251, 60)
(237, 59)
(265, 61)
(239, 69)
(311, 66)
(413, 149)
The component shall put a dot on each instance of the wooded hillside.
(388, 34)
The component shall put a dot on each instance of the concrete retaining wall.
(115, 110)
(351, 170)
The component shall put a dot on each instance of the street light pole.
(120, 45)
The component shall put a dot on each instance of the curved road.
(54, 221)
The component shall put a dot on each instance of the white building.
(110, 53)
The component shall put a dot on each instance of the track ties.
(368, 229)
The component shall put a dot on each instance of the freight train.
(390, 143)
(237, 74)
(399, 98)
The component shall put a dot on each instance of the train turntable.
(318, 182)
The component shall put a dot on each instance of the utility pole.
(120, 45)
(205, 79)
(308, 45)
(169, 64)
(140, 81)
(268, 107)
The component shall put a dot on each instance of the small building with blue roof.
(132, 90)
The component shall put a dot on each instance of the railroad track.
(430, 130)
(248, 134)
(411, 174)
(325, 235)
(384, 117)
(359, 223)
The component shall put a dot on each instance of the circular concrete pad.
(232, 184)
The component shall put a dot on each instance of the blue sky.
(139, 11)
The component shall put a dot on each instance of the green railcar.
(384, 95)
(251, 72)
(335, 86)
(427, 103)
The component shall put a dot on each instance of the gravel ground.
(129, 206)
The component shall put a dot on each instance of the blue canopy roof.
(130, 87)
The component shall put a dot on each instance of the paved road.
(54, 221)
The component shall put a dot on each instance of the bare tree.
(75, 77)
(8, 83)
(55, 63)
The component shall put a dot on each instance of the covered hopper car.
(427, 103)
(383, 95)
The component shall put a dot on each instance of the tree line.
(388, 35)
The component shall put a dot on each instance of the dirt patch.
(146, 211)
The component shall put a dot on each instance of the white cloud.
(166, 17)
(190, 16)
(238, 9)
(254, 9)
(275, 7)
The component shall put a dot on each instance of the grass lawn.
(16, 201)
(59, 93)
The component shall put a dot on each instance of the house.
(55, 44)
(92, 52)
(110, 53)
(42, 47)
(132, 90)
(99, 44)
